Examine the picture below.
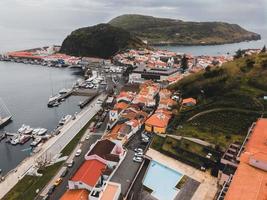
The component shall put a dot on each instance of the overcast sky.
(56, 18)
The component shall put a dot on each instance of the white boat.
(22, 128)
(65, 120)
(42, 131)
(39, 131)
(36, 131)
(28, 130)
(14, 140)
(36, 142)
(53, 98)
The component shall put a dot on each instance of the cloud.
(57, 18)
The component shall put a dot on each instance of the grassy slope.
(235, 89)
(162, 30)
(26, 187)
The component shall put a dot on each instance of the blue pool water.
(162, 180)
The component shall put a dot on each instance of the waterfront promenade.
(52, 147)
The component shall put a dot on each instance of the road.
(85, 146)
(59, 191)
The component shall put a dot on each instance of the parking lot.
(128, 169)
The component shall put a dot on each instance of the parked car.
(58, 181)
(78, 152)
(51, 189)
(138, 154)
(137, 159)
(98, 125)
(87, 137)
(138, 150)
(70, 164)
(145, 140)
(63, 174)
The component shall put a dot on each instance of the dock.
(87, 101)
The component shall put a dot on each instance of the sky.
(31, 22)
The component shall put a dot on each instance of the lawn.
(73, 143)
(26, 188)
(220, 128)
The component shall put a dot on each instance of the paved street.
(59, 191)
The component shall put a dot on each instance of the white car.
(78, 152)
(138, 150)
(70, 164)
(137, 159)
(138, 154)
(87, 137)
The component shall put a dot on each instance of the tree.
(263, 49)
(184, 63)
(238, 54)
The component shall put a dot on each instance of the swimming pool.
(162, 180)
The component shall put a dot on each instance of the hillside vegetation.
(158, 31)
(229, 99)
(102, 41)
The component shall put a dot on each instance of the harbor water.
(25, 89)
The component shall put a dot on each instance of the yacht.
(36, 142)
(42, 131)
(64, 91)
(4, 121)
(52, 100)
(64, 120)
(24, 138)
(22, 128)
(14, 140)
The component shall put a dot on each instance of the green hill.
(229, 99)
(102, 40)
(159, 31)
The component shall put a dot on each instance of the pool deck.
(208, 184)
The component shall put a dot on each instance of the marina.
(26, 98)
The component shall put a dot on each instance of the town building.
(250, 179)
(79, 194)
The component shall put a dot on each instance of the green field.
(26, 188)
(230, 99)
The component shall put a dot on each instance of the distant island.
(131, 32)
(163, 31)
(102, 40)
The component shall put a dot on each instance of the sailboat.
(5, 115)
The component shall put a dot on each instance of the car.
(138, 150)
(70, 164)
(51, 189)
(57, 182)
(78, 152)
(46, 197)
(145, 140)
(137, 159)
(138, 154)
(98, 125)
(63, 174)
(87, 137)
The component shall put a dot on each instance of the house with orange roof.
(189, 102)
(250, 179)
(157, 123)
(88, 175)
(125, 96)
(78, 194)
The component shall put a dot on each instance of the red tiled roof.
(75, 195)
(249, 182)
(89, 172)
